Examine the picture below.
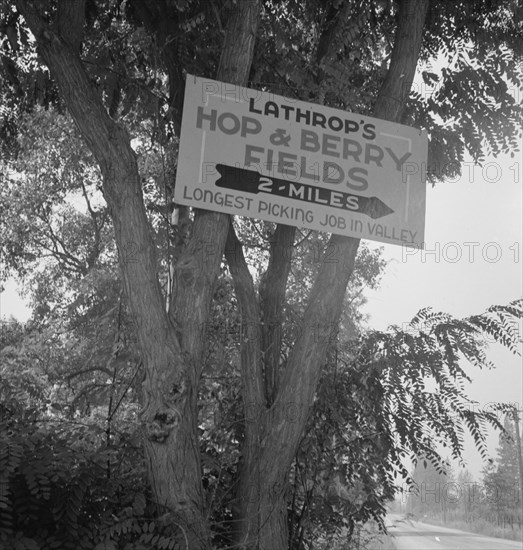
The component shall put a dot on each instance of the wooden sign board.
(265, 156)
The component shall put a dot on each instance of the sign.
(264, 156)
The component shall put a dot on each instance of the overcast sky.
(474, 231)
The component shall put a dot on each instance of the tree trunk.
(519, 451)
(171, 355)
(273, 435)
(263, 525)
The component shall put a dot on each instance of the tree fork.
(263, 524)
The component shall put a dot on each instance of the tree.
(337, 53)
(467, 504)
(502, 479)
(428, 496)
(519, 451)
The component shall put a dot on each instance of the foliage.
(72, 376)
(429, 493)
(469, 106)
(61, 489)
(343, 474)
(502, 479)
(490, 506)
(388, 396)
(72, 473)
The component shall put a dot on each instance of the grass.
(383, 542)
(482, 527)
(372, 539)
(366, 538)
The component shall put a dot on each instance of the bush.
(60, 490)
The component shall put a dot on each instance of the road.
(415, 535)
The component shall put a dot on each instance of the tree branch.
(161, 20)
(93, 254)
(395, 89)
(274, 280)
(63, 255)
(196, 271)
(251, 369)
(335, 18)
(70, 22)
(111, 147)
(325, 304)
(272, 300)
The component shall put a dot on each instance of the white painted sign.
(260, 155)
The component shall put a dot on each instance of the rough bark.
(260, 360)
(252, 378)
(272, 299)
(198, 266)
(171, 349)
(271, 442)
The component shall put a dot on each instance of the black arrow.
(250, 181)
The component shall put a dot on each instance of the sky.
(472, 260)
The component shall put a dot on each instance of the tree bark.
(519, 451)
(171, 344)
(272, 299)
(198, 266)
(273, 434)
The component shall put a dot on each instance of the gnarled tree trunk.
(171, 343)
(272, 437)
